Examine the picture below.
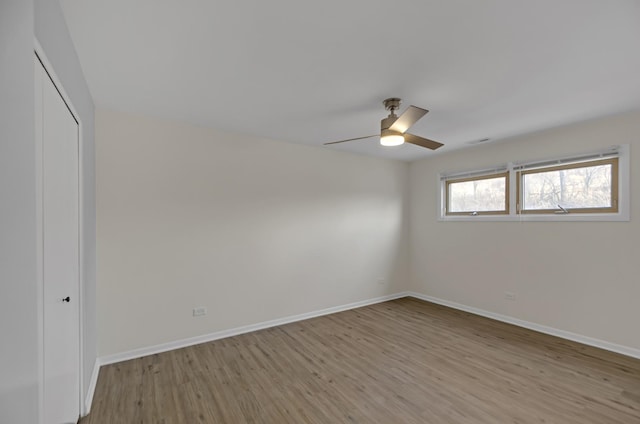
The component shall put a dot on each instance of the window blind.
(609, 153)
(475, 173)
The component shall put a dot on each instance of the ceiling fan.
(393, 128)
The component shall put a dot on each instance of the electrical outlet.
(510, 296)
(200, 311)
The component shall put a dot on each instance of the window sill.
(577, 217)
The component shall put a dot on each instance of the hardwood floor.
(403, 361)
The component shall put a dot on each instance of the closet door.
(58, 133)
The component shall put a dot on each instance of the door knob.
(66, 299)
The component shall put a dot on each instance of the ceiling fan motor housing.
(389, 137)
(386, 123)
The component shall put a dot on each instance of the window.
(479, 195)
(583, 187)
(587, 187)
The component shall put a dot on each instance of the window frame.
(479, 177)
(613, 161)
(621, 177)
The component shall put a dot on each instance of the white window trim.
(623, 214)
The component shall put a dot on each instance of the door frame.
(40, 55)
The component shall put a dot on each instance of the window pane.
(479, 195)
(571, 188)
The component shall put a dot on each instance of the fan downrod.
(391, 104)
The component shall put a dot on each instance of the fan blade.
(422, 142)
(408, 118)
(351, 139)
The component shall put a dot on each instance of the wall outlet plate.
(509, 296)
(199, 311)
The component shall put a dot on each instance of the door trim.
(41, 56)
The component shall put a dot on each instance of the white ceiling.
(311, 72)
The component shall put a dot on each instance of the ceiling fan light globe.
(392, 140)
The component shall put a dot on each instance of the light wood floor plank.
(403, 361)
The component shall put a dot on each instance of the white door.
(58, 132)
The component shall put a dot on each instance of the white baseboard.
(624, 350)
(92, 386)
(164, 347)
(178, 344)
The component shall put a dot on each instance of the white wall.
(252, 229)
(18, 259)
(52, 34)
(580, 277)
